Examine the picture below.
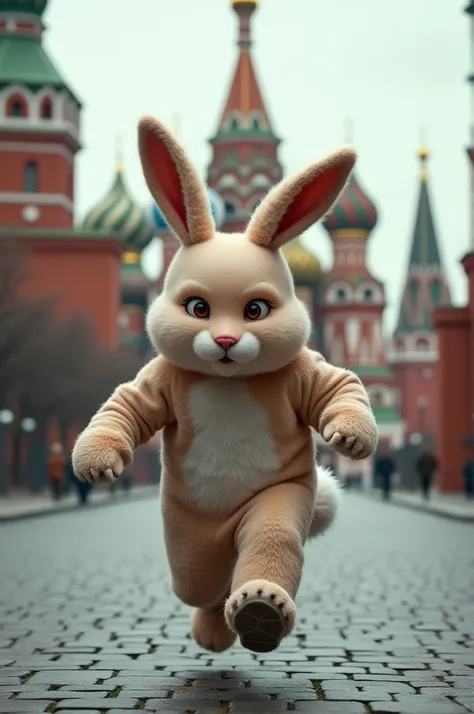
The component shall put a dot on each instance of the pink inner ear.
(165, 174)
(321, 190)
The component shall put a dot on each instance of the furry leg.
(270, 543)
(326, 504)
(209, 629)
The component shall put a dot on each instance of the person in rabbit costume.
(238, 396)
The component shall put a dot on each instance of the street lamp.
(33, 463)
(6, 420)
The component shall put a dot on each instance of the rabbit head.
(228, 306)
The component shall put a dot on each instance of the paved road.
(386, 620)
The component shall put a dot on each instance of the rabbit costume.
(238, 395)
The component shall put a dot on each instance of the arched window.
(31, 177)
(234, 123)
(368, 294)
(229, 208)
(341, 294)
(17, 107)
(256, 124)
(422, 345)
(46, 109)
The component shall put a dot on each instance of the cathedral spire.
(245, 161)
(425, 284)
(244, 108)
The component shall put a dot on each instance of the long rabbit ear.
(174, 183)
(296, 203)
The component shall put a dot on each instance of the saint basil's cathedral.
(39, 138)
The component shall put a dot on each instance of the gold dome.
(244, 2)
(303, 264)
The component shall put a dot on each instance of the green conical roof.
(31, 7)
(425, 286)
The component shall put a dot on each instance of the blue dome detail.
(216, 204)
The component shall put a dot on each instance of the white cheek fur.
(205, 347)
(246, 349)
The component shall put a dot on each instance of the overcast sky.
(391, 68)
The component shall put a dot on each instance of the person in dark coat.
(426, 465)
(83, 487)
(468, 472)
(384, 469)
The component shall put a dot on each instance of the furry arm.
(335, 403)
(130, 417)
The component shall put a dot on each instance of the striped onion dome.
(303, 264)
(353, 214)
(118, 213)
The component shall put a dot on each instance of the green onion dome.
(353, 215)
(118, 213)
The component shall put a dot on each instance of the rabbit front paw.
(354, 438)
(96, 459)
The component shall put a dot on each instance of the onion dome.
(303, 264)
(29, 7)
(118, 213)
(158, 222)
(354, 215)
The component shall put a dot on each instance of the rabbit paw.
(210, 631)
(353, 447)
(261, 613)
(97, 459)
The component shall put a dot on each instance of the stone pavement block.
(322, 707)
(68, 677)
(91, 703)
(356, 696)
(467, 702)
(200, 706)
(12, 706)
(417, 706)
(56, 695)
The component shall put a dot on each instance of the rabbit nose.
(225, 341)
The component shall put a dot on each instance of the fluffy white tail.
(328, 497)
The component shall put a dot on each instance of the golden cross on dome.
(423, 153)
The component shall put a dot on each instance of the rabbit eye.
(257, 310)
(197, 307)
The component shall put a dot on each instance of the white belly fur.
(233, 454)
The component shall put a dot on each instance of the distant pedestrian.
(384, 469)
(83, 488)
(56, 470)
(468, 473)
(426, 465)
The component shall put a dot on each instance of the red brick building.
(39, 139)
(455, 377)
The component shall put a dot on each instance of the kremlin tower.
(39, 139)
(354, 303)
(245, 163)
(415, 350)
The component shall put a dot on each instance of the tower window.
(31, 177)
(368, 294)
(17, 107)
(229, 208)
(234, 123)
(256, 124)
(46, 111)
(341, 294)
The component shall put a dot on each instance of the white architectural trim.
(331, 293)
(37, 148)
(44, 199)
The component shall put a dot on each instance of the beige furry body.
(230, 449)
(238, 396)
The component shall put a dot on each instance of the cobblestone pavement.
(385, 621)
